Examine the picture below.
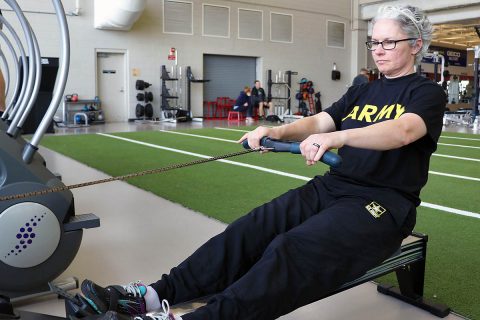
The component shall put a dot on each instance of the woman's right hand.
(254, 136)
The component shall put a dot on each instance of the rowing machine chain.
(127, 176)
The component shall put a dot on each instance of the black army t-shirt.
(404, 169)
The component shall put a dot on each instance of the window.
(177, 17)
(281, 27)
(250, 24)
(216, 21)
(335, 34)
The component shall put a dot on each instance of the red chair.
(210, 110)
(235, 116)
(223, 107)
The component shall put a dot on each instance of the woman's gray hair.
(412, 21)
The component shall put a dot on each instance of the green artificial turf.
(452, 269)
(225, 192)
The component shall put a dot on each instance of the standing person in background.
(361, 78)
(453, 90)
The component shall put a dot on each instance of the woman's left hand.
(316, 145)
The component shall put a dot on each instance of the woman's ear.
(417, 47)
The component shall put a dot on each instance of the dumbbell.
(147, 96)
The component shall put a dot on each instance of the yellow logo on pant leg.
(375, 209)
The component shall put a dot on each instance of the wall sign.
(453, 57)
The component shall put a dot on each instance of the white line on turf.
(459, 138)
(445, 137)
(229, 129)
(453, 176)
(457, 145)
(240, 164)
(455, 157)
(198, 136)
(444, 144)
(425, 204)
(233, 141)
(451, 210)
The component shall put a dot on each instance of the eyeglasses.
(386, 44)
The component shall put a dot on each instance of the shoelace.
(163, 315)
(133, 288)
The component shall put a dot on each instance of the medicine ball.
(79, 119)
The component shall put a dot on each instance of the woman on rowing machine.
(306, 243)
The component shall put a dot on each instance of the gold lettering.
(386, 112)
(352, 114)
(400, 111)
(367, 112)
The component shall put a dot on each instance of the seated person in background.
(244, 103)
(260, 98)
(361, 78)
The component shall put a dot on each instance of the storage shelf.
(70, 108)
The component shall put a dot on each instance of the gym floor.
(125, 248)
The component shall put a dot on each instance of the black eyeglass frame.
(369, 44)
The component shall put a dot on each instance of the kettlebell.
(74, 97)
(68, 98)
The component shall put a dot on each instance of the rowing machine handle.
(329, 158)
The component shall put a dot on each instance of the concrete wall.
(147, 46)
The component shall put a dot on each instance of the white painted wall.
(148, 46)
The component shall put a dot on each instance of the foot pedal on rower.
(6, 309)
(76, 306)
(82, 221)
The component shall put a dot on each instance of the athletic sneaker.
(165, 314)
(128, 300)
(112, 315)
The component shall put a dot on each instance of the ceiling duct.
(117, 14)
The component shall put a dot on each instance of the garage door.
(228, 75)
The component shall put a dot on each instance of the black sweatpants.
(291, 251)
